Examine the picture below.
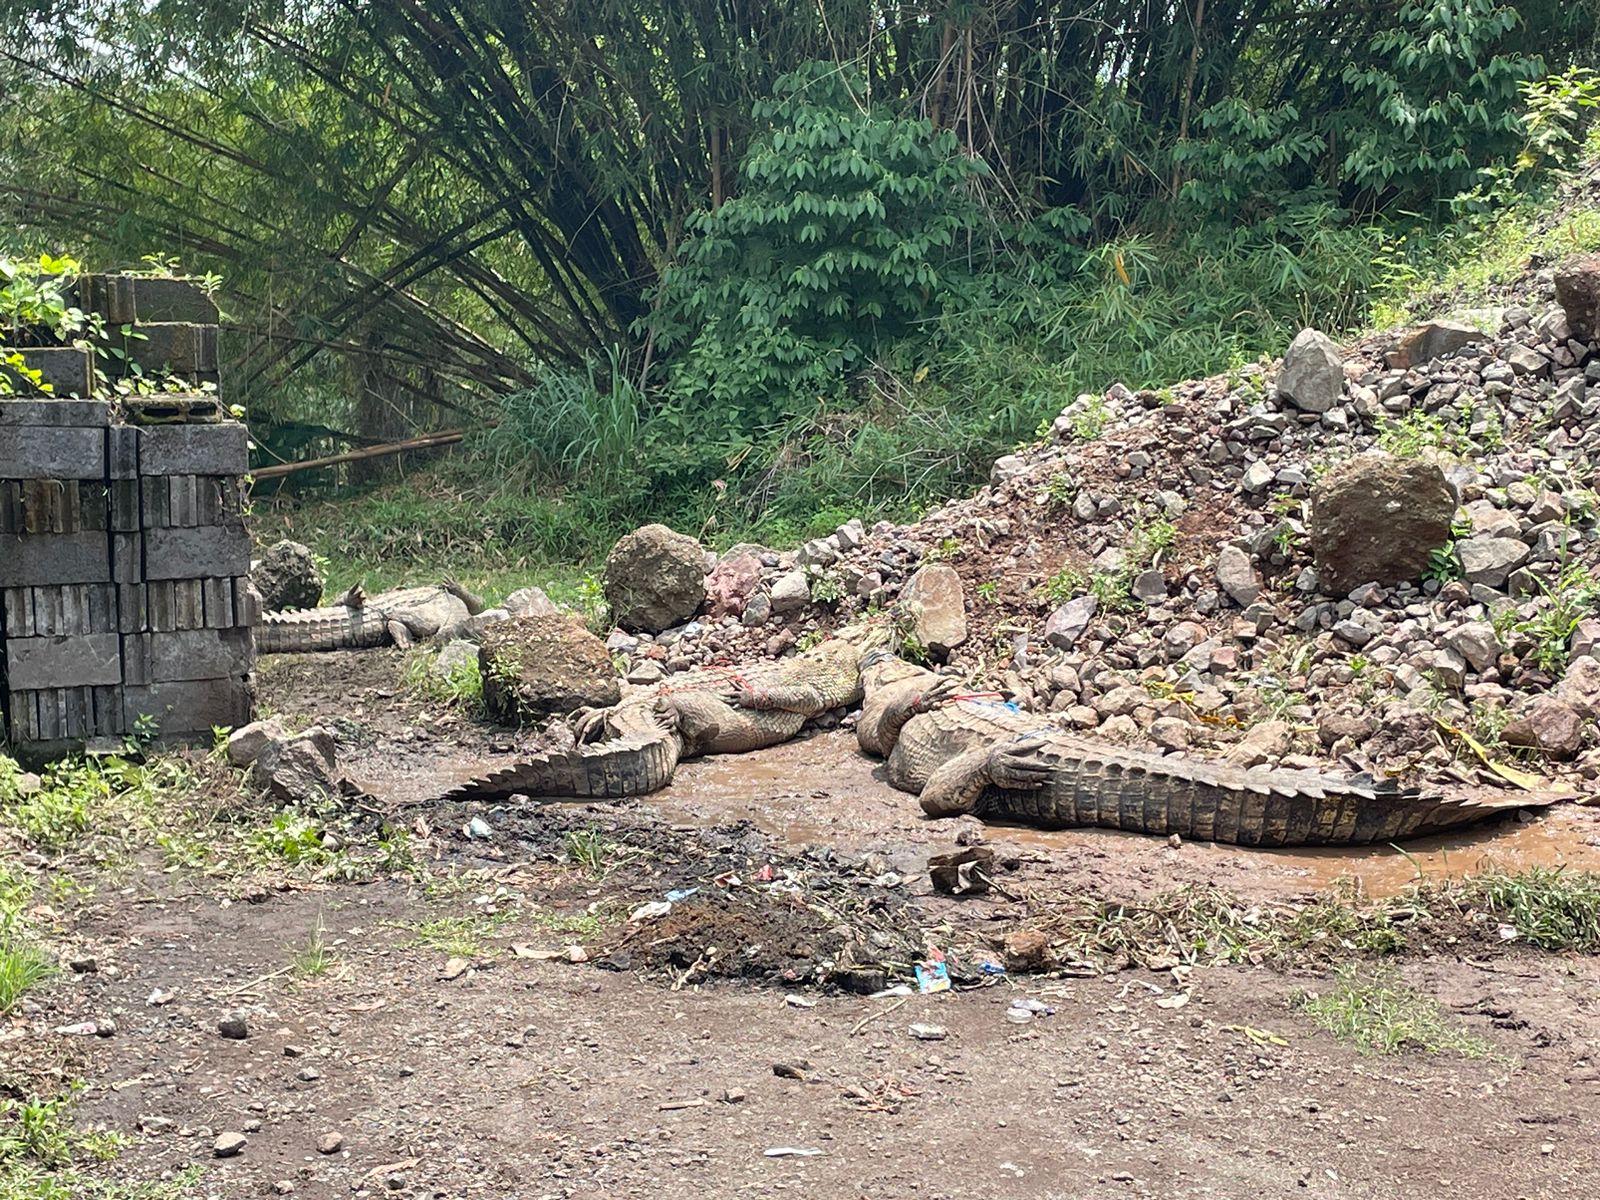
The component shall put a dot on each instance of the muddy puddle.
(821, 790)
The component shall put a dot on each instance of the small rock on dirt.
(228, 1144)
(286, 576)
(1549, 725)
(539, 666)
(1376, 519)
(530, 602)
(655, 578)
(1433, 340)
(330, 1143)
(234, 1027)
(929, 1033)
(298, 768)
(1237, 576)
(1068, 623)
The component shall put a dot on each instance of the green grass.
(460, 937)
(460, 687)
(1551, 908)
(1381, 1014)
(23, 964)
(44, 1155)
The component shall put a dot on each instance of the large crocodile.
(361, 622)
(634, 747)
(964, 755)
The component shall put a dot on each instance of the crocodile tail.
(1207, 801)
(631, 765)
(313, 629)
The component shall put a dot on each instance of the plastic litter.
(679, 895)
(479, 829)
(792, 1152)
(933, 975)
(992, 968)
(1018, 1016)
(929, 1033)
(899, 989)
(649, 912)
(794, 1001)
(1037, 1007)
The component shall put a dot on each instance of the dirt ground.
(694, 1055)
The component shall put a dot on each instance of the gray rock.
(530, 602)
(1008, 466)
(1476, 642)
(937, 606)
(1549, 725)
(228, 1145)
(1150, 587)
(1433, 340)
(1258, 477)
(452, 657)
(790, 592)
(472, 629)
(535, 667)
(1585, 639)
(819, 552)
(1525, 360)
(234, 1027)
(1237, 577)
(1312, 378)
(287, 577)
(1489, 560)
(655, 579)
(246, 743)
(757, 611)
(647, 672)
(1577, 283)
(1068, 623)
(299, 769)
(1376, 519)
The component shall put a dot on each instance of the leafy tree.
(844, 232)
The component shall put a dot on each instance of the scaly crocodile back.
(314, 629)
(1093, 784)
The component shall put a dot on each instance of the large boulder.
(287, 577)
(540, 666)
(1312, 378)
(1578, 293)
(1376, 519)
(655, 579)
(937, 607)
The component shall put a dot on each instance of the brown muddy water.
(821, 790)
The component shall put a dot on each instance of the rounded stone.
(539, 666)
(1377, 519)
(287, 577)
(655, 579)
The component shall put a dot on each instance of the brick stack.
(123, 551)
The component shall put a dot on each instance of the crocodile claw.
(937, 693)
(1020, 765)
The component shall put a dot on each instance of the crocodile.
(634, 747)
(359, 622)
(975, 755)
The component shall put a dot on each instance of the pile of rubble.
(1344, 552)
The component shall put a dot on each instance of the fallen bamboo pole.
(426, 442)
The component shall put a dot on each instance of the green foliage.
(461, 686)
(35, 307)
(842, 235)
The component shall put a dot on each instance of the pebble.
(234, 1027)
(228, 1144)
(330, 1143)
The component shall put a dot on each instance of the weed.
(947, 548)
(1551, 908)
(1111, 589)
(314, 958)
(461, 686)
(589, 849)
(1574, 596)
(1062, 490)
(1444, 565)
(827, 587)
(989, 590)
(1380, 1013)
(22, 965)
(1064, 585)
(292, 838)
(42, 1131)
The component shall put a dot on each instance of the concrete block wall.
(124, 555)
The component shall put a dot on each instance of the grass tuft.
(1382, 1014)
